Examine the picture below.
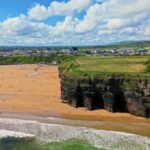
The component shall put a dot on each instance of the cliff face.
(115, 94)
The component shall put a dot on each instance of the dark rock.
(109, 101)
(114, 94)
(92, 100)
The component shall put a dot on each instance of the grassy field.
(16, 59)
(92, 65)
(21, 144)
(119, 45)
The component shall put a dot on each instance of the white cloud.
(116, 23)
(147, 31)
(65, 27)
(40, 12)
(22, 26)
(110, 21)
(20, 30)
(146, 28)
(114, 13)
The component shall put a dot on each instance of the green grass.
(148, 66)
(28, 59)
(119, 45)
(22, 144)
(95, 65)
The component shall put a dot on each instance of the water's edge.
(47, 133)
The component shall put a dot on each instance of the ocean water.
(29, 144)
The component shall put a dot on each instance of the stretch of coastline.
(50, 132)
(32, 92)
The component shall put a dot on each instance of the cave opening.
(80, 101)
(98, 101)
(93, 100)
(119, 102)
(79, 96)
(147, 112)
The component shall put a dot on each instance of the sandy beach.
(35, 90)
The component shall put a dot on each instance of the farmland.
(87, 65)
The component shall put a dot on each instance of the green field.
(126, 44)
(89, 65)
(21, 144)
(95, 65)
(16, 59)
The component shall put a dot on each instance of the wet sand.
(35, 90)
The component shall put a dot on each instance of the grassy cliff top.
(96, 65)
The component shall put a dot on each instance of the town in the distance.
(117, 49)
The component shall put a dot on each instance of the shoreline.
(131, 128)
(36, 93)
(13, 134)
(52, 132)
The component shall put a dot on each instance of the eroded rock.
(115, 94)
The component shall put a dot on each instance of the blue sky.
(13, 8)
(73, 22)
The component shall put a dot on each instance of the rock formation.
(113, 93)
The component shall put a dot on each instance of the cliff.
(117, 84)
(113, 93)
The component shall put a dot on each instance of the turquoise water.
(26, 144)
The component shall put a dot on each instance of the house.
(54, 62)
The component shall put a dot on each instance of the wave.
(47, 133)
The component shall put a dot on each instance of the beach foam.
(46, 133)
(8, 133)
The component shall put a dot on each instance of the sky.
(73, 22)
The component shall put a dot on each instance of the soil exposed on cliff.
(35, 89)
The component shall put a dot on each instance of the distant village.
(39, 51)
